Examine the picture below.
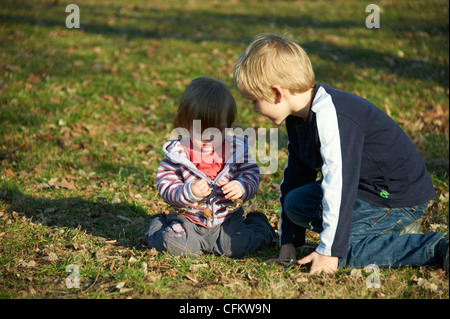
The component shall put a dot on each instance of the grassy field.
(84, 113)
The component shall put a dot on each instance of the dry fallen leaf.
(231, 283)
(78, 246)
(24, 263)
(66, 184)
(208, 213)
(33, 79)
(53, 182)
(52, 256)
(196, 267)
(121, 287)
(356, 273)
(126, 219)
(9, 173)
(422, 282)
(192, 277)
(116, 200)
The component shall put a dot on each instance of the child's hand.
(200, 188)
(320, 263)
(232, 190)
(287, 252)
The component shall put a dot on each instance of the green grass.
(84, 113)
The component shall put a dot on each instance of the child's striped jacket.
(176, 173)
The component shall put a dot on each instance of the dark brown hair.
(205, 99)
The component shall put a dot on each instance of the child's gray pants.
(235, 237)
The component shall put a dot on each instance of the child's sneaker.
(441, 253)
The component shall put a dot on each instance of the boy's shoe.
(441, 253)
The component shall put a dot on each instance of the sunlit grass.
(93, 106)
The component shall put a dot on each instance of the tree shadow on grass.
(123, 222)
(122, 21)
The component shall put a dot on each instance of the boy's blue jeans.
(378, 235)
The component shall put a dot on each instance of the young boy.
(374, 184)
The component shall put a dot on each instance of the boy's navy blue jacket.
(361, 152)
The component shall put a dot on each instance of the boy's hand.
(320, 263)
(200, 188)
(232, 190)
(287, 252)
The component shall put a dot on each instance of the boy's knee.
(289, 204)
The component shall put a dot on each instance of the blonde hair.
(272, 60)
(205, 99)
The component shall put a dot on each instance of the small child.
(205, 188)
(374, 184)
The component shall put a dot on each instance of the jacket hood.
(175, 151)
